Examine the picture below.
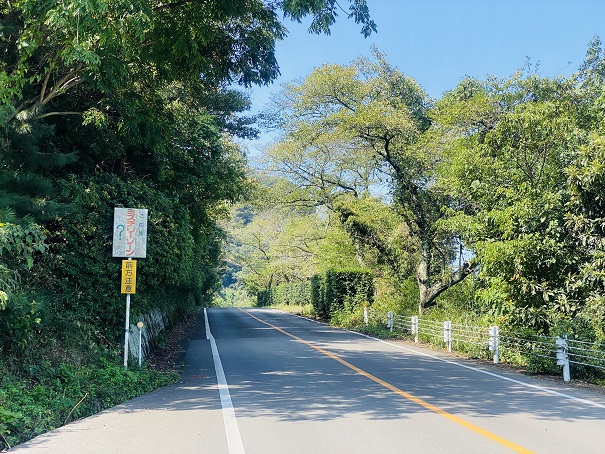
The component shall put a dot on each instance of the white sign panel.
(130, 233)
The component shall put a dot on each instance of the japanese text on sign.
(130, 232)
(129, 276)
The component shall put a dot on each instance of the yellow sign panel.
(129, 276)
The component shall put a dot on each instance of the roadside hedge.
(341, 290)
(328, 292)
(297, 293)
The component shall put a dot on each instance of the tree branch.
(441, 286)
(172, 5)
(44, 85)
(53, 114)
(66, 82)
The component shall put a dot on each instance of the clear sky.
(438, 42)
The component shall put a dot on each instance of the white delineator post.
(366, 319)
(415, 327)
(563, 356)
(493, 343)
(447, 335)
(390, 321)
(140, 326)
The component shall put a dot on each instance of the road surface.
(261, 381)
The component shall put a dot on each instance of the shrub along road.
(287, 384)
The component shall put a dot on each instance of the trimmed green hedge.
(338, 290)
(263, 298)
(328, 292)
(298, 293)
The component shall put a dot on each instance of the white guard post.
(563, 357)
(415, 327)
(493, 343)
(447, 335)
(140, 326)
(390, 320)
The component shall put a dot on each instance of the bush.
(44, 396)
(341, 290)
(400, 297)
(328, 293)
(297, 293)
(19, 320)
(263, 298)
(317, 296)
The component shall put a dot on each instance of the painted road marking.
(234, 439)
(466, 366)
(489, 435)
(492, 374)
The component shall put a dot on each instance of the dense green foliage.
(107, 104)
(513, 149)
(273, 241)
(491, 196)
(297, 293)
(350, 128)
(337, 290)
(47, 395)
(329, 292)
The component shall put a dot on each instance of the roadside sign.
(129, 241)
(130, 233)
(129, 277)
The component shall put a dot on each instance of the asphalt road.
(261, 381)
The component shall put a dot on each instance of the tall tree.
(585, 210)
(347, 128)
(585, 289)
(506, 146)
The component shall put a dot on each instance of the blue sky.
(439, 42)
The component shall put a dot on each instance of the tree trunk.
(423, 274)
(428, 291)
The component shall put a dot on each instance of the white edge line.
(476, 369)
(492, 374)
(234, 439)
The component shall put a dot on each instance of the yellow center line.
(487, 434)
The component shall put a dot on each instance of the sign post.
(129, 241)
(128, 287)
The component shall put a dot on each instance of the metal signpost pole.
(128, 287)
(126, 331)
